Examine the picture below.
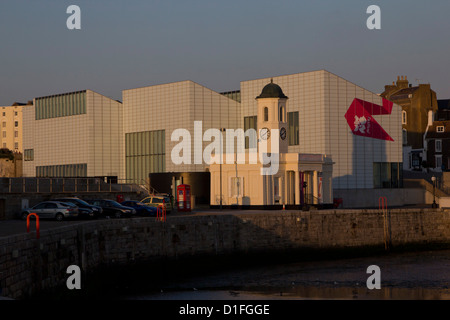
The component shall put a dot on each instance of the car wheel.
(59, 217)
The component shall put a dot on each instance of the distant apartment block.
(11, 127)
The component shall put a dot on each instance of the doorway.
(2, 209)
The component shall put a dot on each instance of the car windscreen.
(114, 204)
(82, 202)
(67, 204)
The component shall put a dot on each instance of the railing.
(63, 185)
(312, 200)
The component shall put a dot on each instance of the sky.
(136, 43)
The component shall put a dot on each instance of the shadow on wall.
(373, 175)
(132, 252)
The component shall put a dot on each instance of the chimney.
(402, 83)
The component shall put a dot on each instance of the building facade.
(283, 178)
(437, 141)
(76, 134)
(419, 108)
(154, 115)
(167, 129)
(318, 104)
(11, 127)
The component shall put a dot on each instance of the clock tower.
(272, 118)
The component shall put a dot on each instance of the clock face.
(264, 133)
(283, 133)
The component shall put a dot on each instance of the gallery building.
(76, 134)
(328, 120)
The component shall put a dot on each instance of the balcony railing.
(64, 185)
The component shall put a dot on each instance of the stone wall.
(29, 265)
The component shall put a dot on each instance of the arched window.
(266, 114)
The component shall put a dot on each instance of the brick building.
(419, 106)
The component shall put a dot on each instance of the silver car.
(51, 210)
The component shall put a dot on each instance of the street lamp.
(220, 163)
(434, 205)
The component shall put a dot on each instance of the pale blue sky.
(128, 44)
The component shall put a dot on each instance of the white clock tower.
(272, 122)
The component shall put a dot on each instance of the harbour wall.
(29, 265)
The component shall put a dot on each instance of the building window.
(405, 137)
(440, 129)
(281, 114)
(145, 153)
(438, 145)
(236, 187)
(28, 155)
(266, 114)
(4, 114)
(438, 161)
(65, 170)
(61, 105)
(4, 124)
(404, 117)
(387, 175)
(4, 134)
(16, 134)
(15, 113)
(16, 123)
(293, 128)
(16, 145)
(250, 123)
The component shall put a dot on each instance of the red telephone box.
(184, 197)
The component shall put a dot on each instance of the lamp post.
(220, 164)
(434, 205)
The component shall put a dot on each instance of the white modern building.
(87, 134)
(364, 167)
(152, 114)
(76, 134)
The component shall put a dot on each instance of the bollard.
(37, 224)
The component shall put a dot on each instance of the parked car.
(81, 204)
(51, 210)
(112, 208)
(82, 212)
(155, 201)
(141, 209)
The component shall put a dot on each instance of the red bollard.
(37, 224)
(161, 213)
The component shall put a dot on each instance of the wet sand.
(406, 276)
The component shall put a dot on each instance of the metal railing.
(64, 185)
(311, 200)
